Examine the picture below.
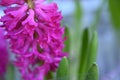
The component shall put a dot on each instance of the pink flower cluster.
(35, 35)
(3, 55)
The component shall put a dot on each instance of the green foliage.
(49, 76)
(63, 70)
(92, 52)
(78, 11)
(83, 56)
(92, 73)
(10, 75)
(77, 15)
(88, 53)
(67, 42)
(114, 7)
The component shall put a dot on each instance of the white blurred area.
(108, 52)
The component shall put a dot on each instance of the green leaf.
(63, 70)
(88, 53)
(83, 56)
(10, 72)
(77, 15)
(93, 46)
(114, 7)
(49, 76)
(67, 42)
(78, 10)
(92, 73)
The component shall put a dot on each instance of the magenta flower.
(9, 2)
(35, 36)
(3, 55)
(30, 24)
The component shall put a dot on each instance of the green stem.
(10, 72)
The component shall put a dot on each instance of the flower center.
(30, 3)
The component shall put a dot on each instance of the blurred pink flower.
(35, 36)
(9, 2)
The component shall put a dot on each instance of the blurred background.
(108, 58)
(97, 12)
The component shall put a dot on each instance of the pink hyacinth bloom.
(9, 2)
(3, 55)
(13, 17)
(35, 36)
(30, 24)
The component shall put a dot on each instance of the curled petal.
(30, 23)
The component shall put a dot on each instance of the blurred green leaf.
(114, 7)
(78, 10)
(93, 46)
(88, 53)
(10, 75)
(67, 42)
(77, 14)
(92, 73)
(83, 56)
(49, 76)
(63, 70)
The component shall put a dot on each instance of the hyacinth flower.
(9, 2)
(3, 56)
(35, 36)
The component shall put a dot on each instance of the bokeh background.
(108, 58)
(96, 12)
